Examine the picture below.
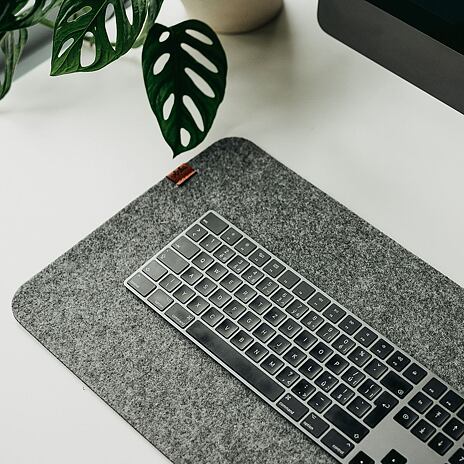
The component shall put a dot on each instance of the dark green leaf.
(11, 47)
(154, 7)
(78, 19)
(185, 70)
(17, 14)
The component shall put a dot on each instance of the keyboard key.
(346, 423)
(287, 376)
(437, 416)
(457, 457)
(334, 313)
(362, 458)
(245, 246)
(198, 305)
(274, 316)
(160, 299)
(272, 364)
(337, 443)
(249, 321)
(460, 414)
(349, 325)
(216, 271)
(292, 407)
(310, 369)
(245, 293)
(234, 309)
(220, 298)
(290, 328)
(288, 279)
(314, 425)
(366, 337)
(256, 352)
(224, 253)
(279, 344)
(342, 394)
(259, 257)
(231, 282)
(375, 369)
(205, 287)
(154, 270)
(414, 373)
(319, 402)
(343, 344)
(406, 417)
(393, 457)
(303, 290)
(213, 223)
(274, 268)
(294, 356)
(398, 361)
(359, 406)
(423, 430)
(179, 315)
(259, 305)
(353, 377)
(231, 236)
(263, 332)
(312, 321)
(267, 286)
(434, 388)
(396, 384)
(318, 301)
(173, 261)
(297, 309)
(241, 340)
(282, 297)
(328, 332)
(321, 352)
(229, 356)
(441, 444)
(141, 284)
(210, 243)
(252, 275)
(384, 404)
(184, 293)
(196, 233)
(212, 317)
(170, 283)
(359, 356)
(305, 340)
(337, 364)
(238, 264)
(369, 389)
(185, 247)
(227, 328)
(191, 275)
(303, 389)
(452, 401)
(202, 261)
(454, 428)
(420, 402)
(382, 349)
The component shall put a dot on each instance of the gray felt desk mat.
(172, 393)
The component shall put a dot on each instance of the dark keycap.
(173, 261)
(318, 301)
(256, 352)
(231, 282)
(238, 264)
(369, 389)
(160, 300)
(303, 389)
(328, 332)
(457, 457)
(359, 406)
(264, 332)
(353, 376)
(184, 293)
(434, 388)
(279, 344)
(342, 394)
(359, 356)
(282, 297)
(274, 268)
(205, 286)
(229, 356)
(319, 402)
(310, 369)
(170, 282)
(196, 233)
(259, 257)
(398, 361)
(334, 313)
(287, 376)
(252, 275)
(346, 423)
(349, 325)
(185, 247)
(274, 316)
(214, 224)
(337, 443)
(191, 275)
(288, 279)
(216, 271)
(337, 364)
(314, 425)
(420, 402)
(249, 321)
(406, 417)
(414, 373)
(321, 352)
(384, 404)
(375, 368)
(382, 348)
(343, 344)
(203, 260)
(259, 305)
(241, 340)
(154, 270)
(460, 414)
(219, 298)
(267, 286)
(290, 328)
(305, 340)
(312, 321)
(396, 384)
(210, 243)
(294, 356)
(441, 444)
(227, 328)
(141, 284)
(366, 337)
(272, 364)
(234, 309)
(224, 253)
(303, 290)
(245, 246)
(362, 458)
(297, 309)
(454, 428)
(198, 305)
(393, 457)
(452, 401)
(179, 315)
(437, 416)
(292, 407)
(212, 317)
(245, 293)
(231, 236)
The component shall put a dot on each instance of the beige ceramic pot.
(233, 16)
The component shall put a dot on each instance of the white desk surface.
(76, 149)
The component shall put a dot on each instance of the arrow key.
(393, 457)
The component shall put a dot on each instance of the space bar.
(240, 365)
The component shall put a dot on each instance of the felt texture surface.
(169, 390)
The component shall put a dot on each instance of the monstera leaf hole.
(88, 58)
(83, 11)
